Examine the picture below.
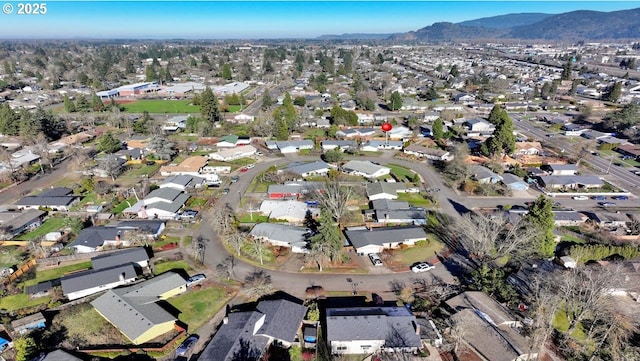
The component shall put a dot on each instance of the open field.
(161, 106)
(198, 307)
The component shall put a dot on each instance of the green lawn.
(257, 218)
(233, 108)
(415, 199)
(52, 224)
(162, 242)
(162, 106)
(196, 202)
(136, 171)
(53, 273)
(123, 205)
(162, 267)
(561, 324)
(87, 200)
(571, 238)
(268, 258)
(16, 302)
(198, 307)
(415, 254)
(401, 173)
(10, 255)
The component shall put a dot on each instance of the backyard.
(199, 306)
(52, 224)
(57, 272)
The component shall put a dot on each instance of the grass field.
(162, 106)
(198, 307)
(85, 325)
(10, 255)
(401, 173)
(162, 267)
(415, 199)
(50, 225)
(16, 302)
(419, 253)
(123, 205)
(53, 273)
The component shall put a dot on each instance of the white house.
(365, 169)
(374, 240)
(292, 211)
(282, 235)
(229, 154)
(428, 153)
(528, 148)
(375, 145)
(232, 141)
(317, 168)
(89, 282)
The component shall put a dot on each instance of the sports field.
(161, 106)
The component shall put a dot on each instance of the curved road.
(296, 283)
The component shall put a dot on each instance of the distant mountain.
(450, 32)
(355, 36)
(506, 21)
(583, 24)
(575, 25)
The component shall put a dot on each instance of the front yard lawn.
(138, 170)
(422, 253)
(162, 267)
(123, 205)
(52, 224)
(198, 307)
(415, 199)
(402, 173)
(256, 218)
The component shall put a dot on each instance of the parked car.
(259, 153)
(187, 345)
(375, 259)
(225, 191)
(234, 179)
(599, 198)
(620, 198)
(249, 166)
(244, 169)
(636, 172)
(422, 267)
(607, 204)
(189, 214)
(580, 198)
(195, 279)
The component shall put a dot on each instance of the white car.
(422, 267)
(580, 198)
(249, 166)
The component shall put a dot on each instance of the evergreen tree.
(566, 70)
(225, 72)
(81, 103)
(541, 215)
(151, 74)
(280, 129)
(209, 107)
(96, 103)
(69, 107)
(454, 71)
(613, 92)
(328, 236)
(437, 130)
(503, 141)
(494, 115)
(109, 144)
(9, 120)
(395, 102)
(267, 102)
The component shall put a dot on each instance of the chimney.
(225, 320)
(118, 237)
(121, 277)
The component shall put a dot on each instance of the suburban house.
(247, 334)
(161, 203)
(374, 240)
(568, 218)
(490, 330)
(42, 289)
(610, 220)
(416, 216)
(464, 98)
(563, 169)
(137, 256)
(289, 146)
(365, 169)
(421, 151)
(60, 355)
(182, 182)
(175, 123)
(292, 211)
(229, 154)
(190, 166)
(282, 235)
(629, 150)
(570, 182)
(26, 324)
(355, 133)
(135, 311)
(14, 222)
(485, 175)
(85, 283)
(375, 145)
(528, 148)
(479, 127)
(285, 191)
(232, 141)
(57, 199)
(513, 182)
(317, 168)
(385, 190)
(367, 330)
(339, 144)
(400, 132)
(95, 238)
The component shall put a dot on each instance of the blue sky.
(262, 19)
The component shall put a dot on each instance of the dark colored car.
(187, 345)
(620, 198)
(599, 198)
(225, 191)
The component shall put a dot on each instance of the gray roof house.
(26, 324)
(94, 238)
(415, 216)
(58, 199)
(514, 182)
(490, 328)
(384, 190)
(282, 235)
(374, 240)
(13, 223)
(365, 169)
(246, 335)
(60, 355)
(570, 181)
(137, 256)
(86, 283)
(339, 144)
(162, 203)
(134, 310)
(563, 169)
(485, 175)
(317, 168)
(182, 182)
(382, 204)
(358, 330)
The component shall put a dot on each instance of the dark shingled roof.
(131, 255)
(94, 278)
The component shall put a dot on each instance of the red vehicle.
(244, 170)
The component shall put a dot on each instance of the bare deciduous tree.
(257, 283)
(224, 269)
(334, 198)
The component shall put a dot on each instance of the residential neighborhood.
(326, 199)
